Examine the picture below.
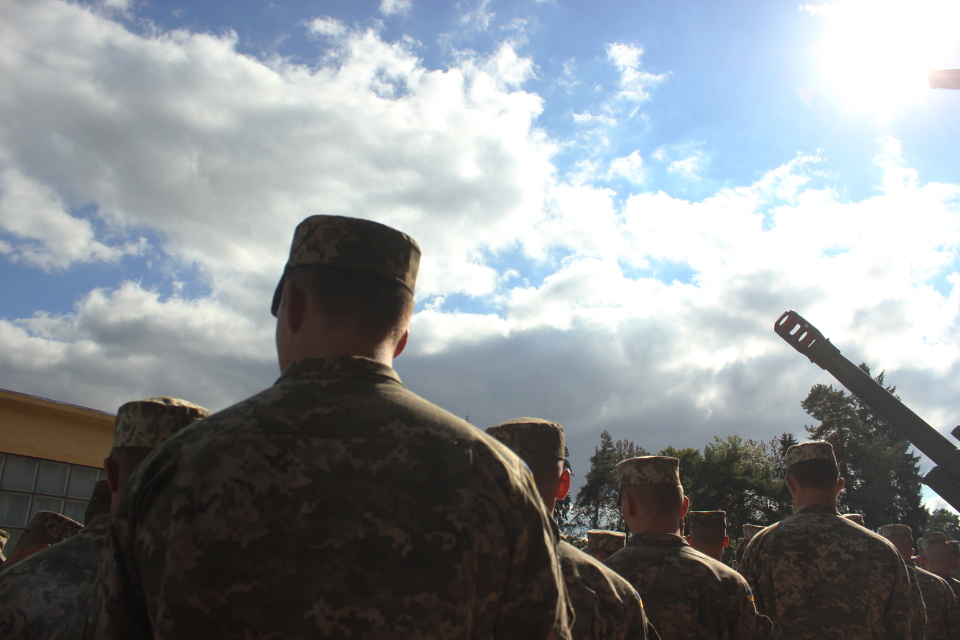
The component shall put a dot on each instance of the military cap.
(101, 492)
(896, 531)
(602, 540)
(819, 450)
(55, 525)
(648, 470)
(750, 530)
(4, 536)
(707, 519)
(854, 517)
(150, 421)
(354, 244)
(933, 537)
(530, 436)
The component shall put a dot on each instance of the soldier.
(707, 532)
(687, 594)
(605, 605)
(940, 605)
(335, 503)
(749, 530)
(938, 557)
(602, 543)
(46, 528)
(99, 502)
(47, 596)
(818, 575)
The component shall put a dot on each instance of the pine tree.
(596, 505)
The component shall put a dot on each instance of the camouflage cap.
(602, 540)
(854, 517)
(648, 470)
(819, 450)
(355, 244)
(4, 536)
(150, 421)
(933, 537)
(896, 531)
(706, 519)
(750, 530)
(55, 525)
(101, 492)
(531, 436)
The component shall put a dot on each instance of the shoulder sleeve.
(902, 618)
(750, 624)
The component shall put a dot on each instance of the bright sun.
(876, 55)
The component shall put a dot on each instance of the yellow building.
(51, 454)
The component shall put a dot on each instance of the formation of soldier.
(336, 503)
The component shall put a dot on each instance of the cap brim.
(275, 305)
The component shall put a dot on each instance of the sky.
(615, 201)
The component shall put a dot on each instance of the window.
(28, 485)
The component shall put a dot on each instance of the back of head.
(812, 465)
(937, 552)
(44, 529)
(143, 425)
(99, 502)
(355, 271)
(652, 483)
(707, 532)
(541, 444)
(901, 536)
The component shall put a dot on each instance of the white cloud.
(629, 167)
(635, 82)
(328, 26)
(393, 7)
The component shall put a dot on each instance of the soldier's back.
(605, 604)
(337, 504)
(817, 574)
(47, 596)
(687, 594)
(942, 609)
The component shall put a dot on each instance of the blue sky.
(615, 200)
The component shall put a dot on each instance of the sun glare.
(876, 55)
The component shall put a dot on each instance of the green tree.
(943, 520)
(882, 475)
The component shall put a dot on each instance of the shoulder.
(591, 571)
(711, 570)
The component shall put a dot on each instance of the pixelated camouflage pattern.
(531, 436)
(101, 492)
(716, 519)
(605, 605)
(648, 470)
(333, 504)
(818, 575)
(854, 517)
(603, 540)
(940, 604)
(47, 596)
(816, 450)
(750, 530)
(687, 594)
(897, 531)
(57, 526)
(149, 421)
(355, 244)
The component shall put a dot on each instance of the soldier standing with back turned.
(687, 594)
(819, 575)
(335, 503)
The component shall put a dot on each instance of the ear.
(627, 506)
(402, 344)
(726, 541)
(839, 487)
(293, 306)
(684, 507)
(113, 473)
(791, 483)
(564, 487)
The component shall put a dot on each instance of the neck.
(655, 524)
(808, 497)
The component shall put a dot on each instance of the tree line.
(744, 477)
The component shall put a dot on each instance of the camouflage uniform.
(603, 540)
(47, 596)
(333, 504)
(939, 537)
(605, 605)
(819, 575)
(686, 594)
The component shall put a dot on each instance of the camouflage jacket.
(47, 596)
(687, 594)
(333, 504)
(818, 575)
(607, 607)
(942, 609)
